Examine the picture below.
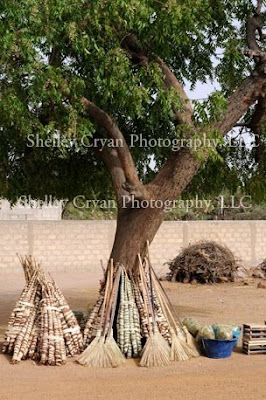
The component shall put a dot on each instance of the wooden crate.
(254, 347)
(254, 332)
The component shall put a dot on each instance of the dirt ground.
(240, 377)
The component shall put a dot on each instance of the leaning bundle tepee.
(41, 327)
(133, 317)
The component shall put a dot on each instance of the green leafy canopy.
(53, 52)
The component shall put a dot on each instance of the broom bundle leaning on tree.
(134, 317)
(182, 348)
(185, 339)
(191, 346)
(156, 352)
(96, 355)
(103, 351)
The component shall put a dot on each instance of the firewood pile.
(258, 272)
(204, 262)
(133, 317)
(262, 268)
(41, 327)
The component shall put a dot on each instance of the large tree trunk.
(137, 225)
(134, 228)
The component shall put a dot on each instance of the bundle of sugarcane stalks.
(41, 327)
(133, 317)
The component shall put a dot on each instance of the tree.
(113, 69)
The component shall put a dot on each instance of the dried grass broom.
(96, 354)
(189, 344)
(114, 351)
(156, 351)
(178, 345)
(179, 332)
(191, 341)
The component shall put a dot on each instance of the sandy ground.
(240, 377)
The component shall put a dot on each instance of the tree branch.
(256, 124)
(185, 115)
(131, 182)
(113, 132)
(113, 164)
(259, 115)
(182, 166)
(259, 7)
(240, 101)
(132, 48)
(254, 24)
(142, 57)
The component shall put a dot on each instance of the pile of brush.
(204, 262)
(41, 327)
(133, 317)
(262, 267)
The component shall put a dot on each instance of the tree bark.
(134, 228)
(136, 225)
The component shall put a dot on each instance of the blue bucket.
(219, 348)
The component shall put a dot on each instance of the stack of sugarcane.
(133, 317)
(41, 327)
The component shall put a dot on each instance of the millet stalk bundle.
(41, 327)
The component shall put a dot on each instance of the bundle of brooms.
(133, 317)
(41, 327)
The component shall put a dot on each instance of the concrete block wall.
(80, 245)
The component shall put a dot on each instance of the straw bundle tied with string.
(114, 351)
(21, 322)
(95, 355)
(187, 340)
(183, 344)
(41, 327)
(156, 352)
(135, 306)
(179, 351)
(103, 351)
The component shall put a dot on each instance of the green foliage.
(53, 52)
(209, 110)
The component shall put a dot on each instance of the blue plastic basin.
(219, 348)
